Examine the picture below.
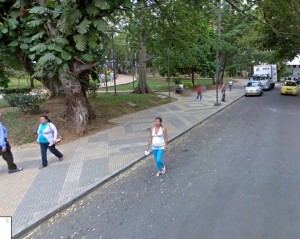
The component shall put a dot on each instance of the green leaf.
(102, 4)
(60, 40)
(66, 67)
(91, 9)
(65, 55)
(3, 29)
(100, 24)
(13, 44)
(35, 23)
(32, 57)
(38, 35)
(12, 23)
(88, 57)
(24, 46)
(83, 27)
(58, 61)
(57, 11)
(38, 48)
(49, 57)
(80, 42)
(53, 47)
(38, 10)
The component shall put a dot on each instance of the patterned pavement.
(32, 194)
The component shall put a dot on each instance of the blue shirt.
(3, 136)
(42, 138)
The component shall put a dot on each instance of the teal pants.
(158, 154)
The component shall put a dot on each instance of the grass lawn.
(22, 83)
(22, 127)
(159, 84)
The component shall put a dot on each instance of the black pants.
(199, 96)
(44, 147)
(223, 96)
(8, 157)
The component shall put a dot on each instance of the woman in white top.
(159, 141)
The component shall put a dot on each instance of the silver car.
(254, 88)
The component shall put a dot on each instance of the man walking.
(230, 84)
(199, 92)
(223, 89)
(5, 149)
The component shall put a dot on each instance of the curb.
(21, 231)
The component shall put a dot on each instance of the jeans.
(230, 87)
(199, 96)
(8, 157)
(44, 147)
(158, 154)
(223, 96)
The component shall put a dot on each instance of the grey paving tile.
(98, 138)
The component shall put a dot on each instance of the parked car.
(254, 88)
(289, 87)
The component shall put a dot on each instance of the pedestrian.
(223, 89)
(181, 86)
(159, 141)
(199, 92)
(112, 76)
(5, 149)
(102, 77)
(47, 138)
(230, 84)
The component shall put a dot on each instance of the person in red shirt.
(199, 92)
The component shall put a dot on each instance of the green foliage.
(9, 91)
(187, 84)
(93, 86)
(26, 103)
(177, 80)
(4, 80)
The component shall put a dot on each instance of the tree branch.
(78, 69)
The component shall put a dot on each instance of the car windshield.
(290, 83)
(252, 84)
(260, 77)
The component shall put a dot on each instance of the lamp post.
(105, 78)
(217, 53)
(113, 58)
(169, 86)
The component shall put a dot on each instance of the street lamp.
(113, 56)
(169, 86)
(217, 53)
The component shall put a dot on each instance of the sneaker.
(42, 166)
(158, 173)
(15, 170)
(61, 159)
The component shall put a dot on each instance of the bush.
(187, 84)
(9, 91)
(177, 80)
(93, 86)
(26, 103)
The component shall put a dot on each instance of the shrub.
(26, 103)
(9, 91)
(93, 86)
(177, 80)
(188, 84)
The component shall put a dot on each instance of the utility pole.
(113, 56)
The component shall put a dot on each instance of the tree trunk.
(31, 83)
(193, 78)
(53, 85)
(78, 110)
(142, 87)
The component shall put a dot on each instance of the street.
(234, 176)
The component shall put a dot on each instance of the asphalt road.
(235, 176)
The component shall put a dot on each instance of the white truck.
(266, 74)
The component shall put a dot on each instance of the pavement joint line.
(34, 222)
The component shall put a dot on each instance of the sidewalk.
(33, 194)
(120, 80)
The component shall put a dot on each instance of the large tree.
(60, 40)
